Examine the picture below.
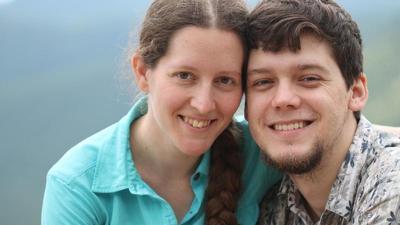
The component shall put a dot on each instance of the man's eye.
(310, 78)
(184, 75)
(261, 82)
(310, 81)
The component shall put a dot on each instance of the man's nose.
(285, 97)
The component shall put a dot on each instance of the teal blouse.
(96, 182)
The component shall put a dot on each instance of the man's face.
(298, 106)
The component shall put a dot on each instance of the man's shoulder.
(375, 147)
(386, 151)
(385, 157)
(378, 192)
(388, 129)
(382, 166)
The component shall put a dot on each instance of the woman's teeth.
(196, 123)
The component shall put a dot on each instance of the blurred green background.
(62, 79)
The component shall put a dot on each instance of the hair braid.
(224, 182)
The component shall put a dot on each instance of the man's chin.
(295, 164)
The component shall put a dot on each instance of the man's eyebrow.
(309, 66)
(300, 66)
(259, 71)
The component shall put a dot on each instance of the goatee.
(297, 165)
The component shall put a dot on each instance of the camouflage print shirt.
(366, 190)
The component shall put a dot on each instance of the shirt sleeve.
(66, 204)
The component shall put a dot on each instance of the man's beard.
(297, 165)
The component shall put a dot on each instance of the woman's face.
(195, 89)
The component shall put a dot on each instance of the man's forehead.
(314, 54)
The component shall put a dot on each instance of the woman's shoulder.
(80, 160)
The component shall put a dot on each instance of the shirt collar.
(289, 193)
(203, 167)
(114, 168)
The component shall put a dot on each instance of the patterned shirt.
(366, 190)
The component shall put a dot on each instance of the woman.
(153, 166)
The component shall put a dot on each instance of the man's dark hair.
(275, 24)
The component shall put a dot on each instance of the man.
(305, 91)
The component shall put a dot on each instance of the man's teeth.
(196, 123)
(290, 126)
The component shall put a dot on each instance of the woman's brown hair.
(163, 19)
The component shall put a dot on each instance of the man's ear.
(359, 94)
(141, 72)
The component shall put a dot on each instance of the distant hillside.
(381, 64)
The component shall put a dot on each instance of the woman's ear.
(141, 71)
(359, 93)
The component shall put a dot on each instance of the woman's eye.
(184, 75)
(226, 80)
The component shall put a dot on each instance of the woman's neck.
(165, 169)
(155, 155)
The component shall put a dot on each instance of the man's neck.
(316, 185)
